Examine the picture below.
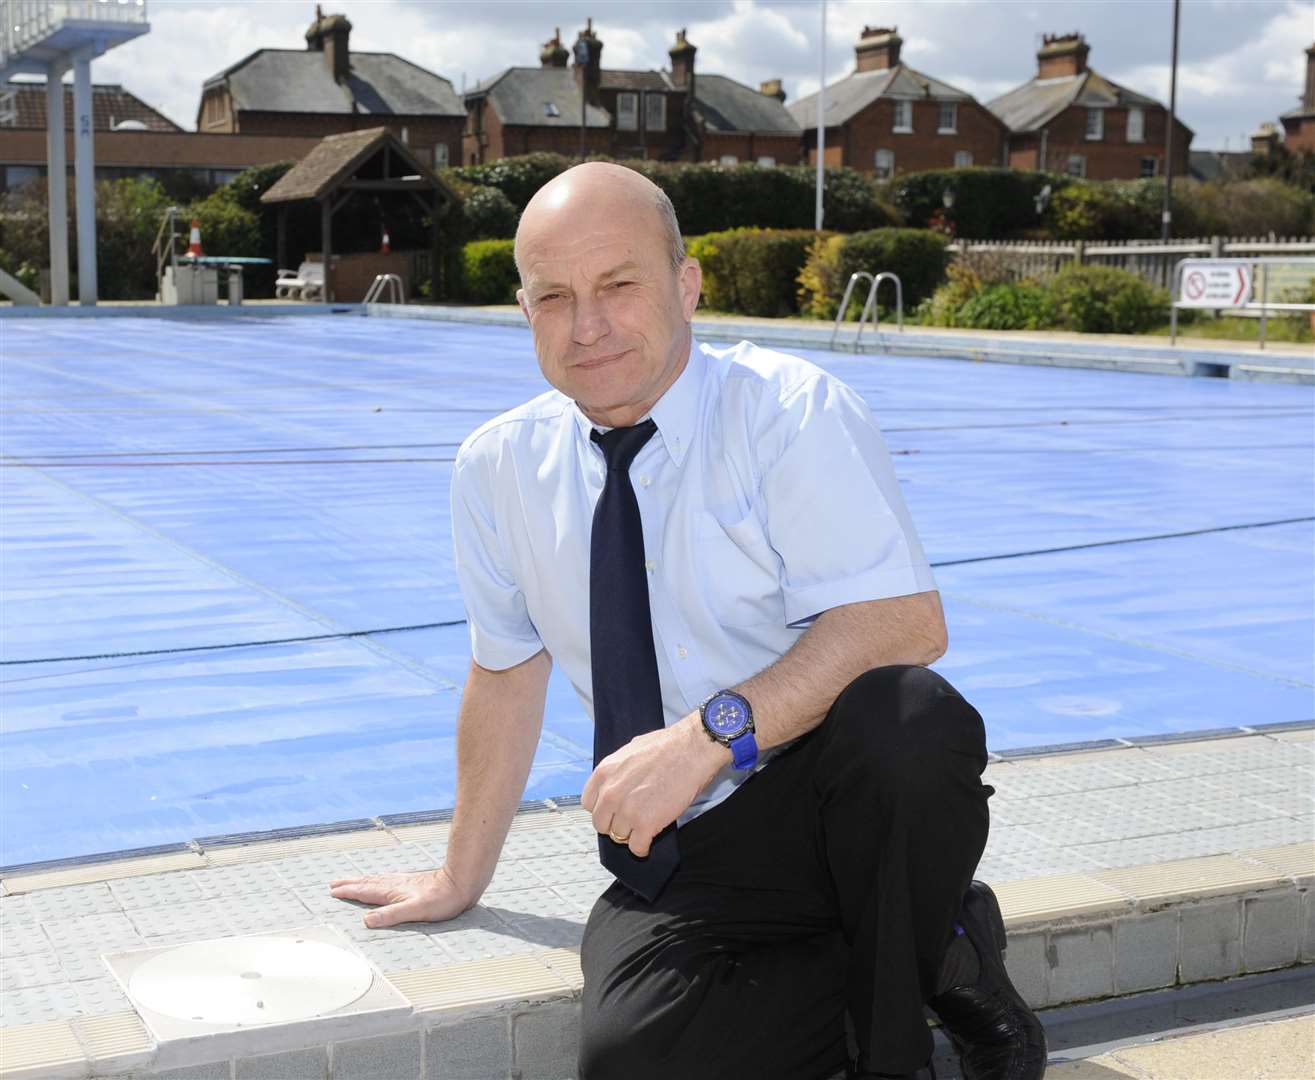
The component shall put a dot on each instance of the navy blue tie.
(627, 695)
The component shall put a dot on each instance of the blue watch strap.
(744, 751)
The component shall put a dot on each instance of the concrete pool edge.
(1073, 937)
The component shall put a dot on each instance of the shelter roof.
(334, 159)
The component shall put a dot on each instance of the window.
(655, 112)
(1150, 166)
(1095, 123)
(729, 159)
(550, 109)
(903, 116)
(1136, 125)
(885, 164)
(440, 155)
(963, 158)
(946, 124)
(627, 112)
(406, 136)
(1077, 165)
(767, 161)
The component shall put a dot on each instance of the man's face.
(609, 315)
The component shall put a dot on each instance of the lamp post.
(581, 59)
(821, 125)
(1166, 217)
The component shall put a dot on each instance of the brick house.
(1071, 119)
(1299, 123)
(887, 118)
(326, 89)
(131, 139)
(664, 115)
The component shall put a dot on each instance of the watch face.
(726, 715)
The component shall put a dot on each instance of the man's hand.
(431, 896)
(642, 788)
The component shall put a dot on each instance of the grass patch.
(1231, 328)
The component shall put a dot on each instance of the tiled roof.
(336, 156)
(299, 81)
(633, 80)
(110, 105)
(1038, 101)
(849, 96)
(539, 97)
(727, 105)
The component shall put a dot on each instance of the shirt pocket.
(741, 572)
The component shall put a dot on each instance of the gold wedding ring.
(618, 839)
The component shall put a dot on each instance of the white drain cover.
(260, 980)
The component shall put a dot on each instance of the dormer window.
(550, 109)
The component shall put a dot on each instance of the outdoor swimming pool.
(197, 512)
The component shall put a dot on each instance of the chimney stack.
(1061, 55)
(877, 48)
(682, 61)
(554, 54)
(328, 34)
(1264, 141)
(589, 74)
(772, 88)
(1308, 98)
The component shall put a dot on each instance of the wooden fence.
(1147, 258)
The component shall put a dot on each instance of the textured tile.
(314, 869)
(216, 881)
(158, 891)
(546, 1041)
(96, 997)
(468, 945)
(402, 859)
(1211, 941)
(39, 1004)
(1081, 963)
(255, 912)
(202, 919)
(1271, 930)
(1145, 952)
(1188, 878)
(1027, 964)
(520, 904)
(401, 952)
(22, 939)
(397, 1057)
(113, 930)
(541, 843)
(479, 1049)
(32, 969)
(50, 1046)
(511, 978)
(1057, 897)
(310, 1064)
(72, 901)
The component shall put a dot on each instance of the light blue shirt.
(767, 497)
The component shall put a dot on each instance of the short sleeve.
(835, 514)
(501, 632)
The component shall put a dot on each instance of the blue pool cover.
(197, 514)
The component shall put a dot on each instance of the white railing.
(1149, 259)
(24, 23)
(389, 285)
(1264, 305)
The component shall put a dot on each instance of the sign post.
(1215, 284)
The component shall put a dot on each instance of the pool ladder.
(390, 283)
(869, 305)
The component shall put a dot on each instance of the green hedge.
(1009, 306)
(988, 203)
(918, 256)
(1105, 300)
(752, 271)
(489, 272)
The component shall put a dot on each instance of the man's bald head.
(600, 187)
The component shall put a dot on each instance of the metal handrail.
(1263, 306)
(869, 305)
(390, 282)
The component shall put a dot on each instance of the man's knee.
(898, 710)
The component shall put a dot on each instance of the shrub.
(1244, 208)
(1008, 306)
(489, 272)
(1105, 300)
(128, 213)
(988, 202)
(518, 178)
(488, 214)
(752, 271)
(918, 256)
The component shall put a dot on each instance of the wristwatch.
(728, 719)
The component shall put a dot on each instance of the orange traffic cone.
(384, 249)
(194, 241)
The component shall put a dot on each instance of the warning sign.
(1215, 284)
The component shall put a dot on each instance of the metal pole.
(583, 105)
(821, 125)
(1166, 218)
(84, 179)
(57, 185)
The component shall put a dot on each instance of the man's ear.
(520, 300)
(691, 284)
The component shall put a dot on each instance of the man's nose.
(589, 324)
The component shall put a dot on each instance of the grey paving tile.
(397, 1057)
(1018, 782)
(310, 871)
(318, 902)
(21, 939)
(403, 859)
(523, 903)
(310, 1064)
(545, 1041)
(567, 869)
(1027, 962)
(71, 901)
(463, 946)
(16, 911)
(1048, 862)
(39, 1004)
(86, 963)
(514, 874)
(401, 952)
(18, 972)
(582, 893)
(1145, 952)
(109, 930)
(1211, 941)
(1013, 839)
(1067, 832)
(202, 919)
(216, 1070)
(1271, 930)
(478, 1049)
(155, 890)
(251, 913)
(98, 997)
(1081, 963)
(216, 881)
(540, 843)
(1288, 803)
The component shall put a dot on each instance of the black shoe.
(995, 1033)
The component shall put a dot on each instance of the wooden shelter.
(373, 161)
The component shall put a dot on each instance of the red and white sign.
(1215, 284)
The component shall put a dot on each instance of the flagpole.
(821, 128)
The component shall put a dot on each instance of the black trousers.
(828, 883)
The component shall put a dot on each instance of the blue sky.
(1241, 62)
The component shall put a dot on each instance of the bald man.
(713, 547)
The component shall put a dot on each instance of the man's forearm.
(497, 731)
(793, 695)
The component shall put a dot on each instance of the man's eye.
(621, 284)
(549, 296)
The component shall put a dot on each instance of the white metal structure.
(869, 305)
(1263, 305)
(391, 284)
(48, 37)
